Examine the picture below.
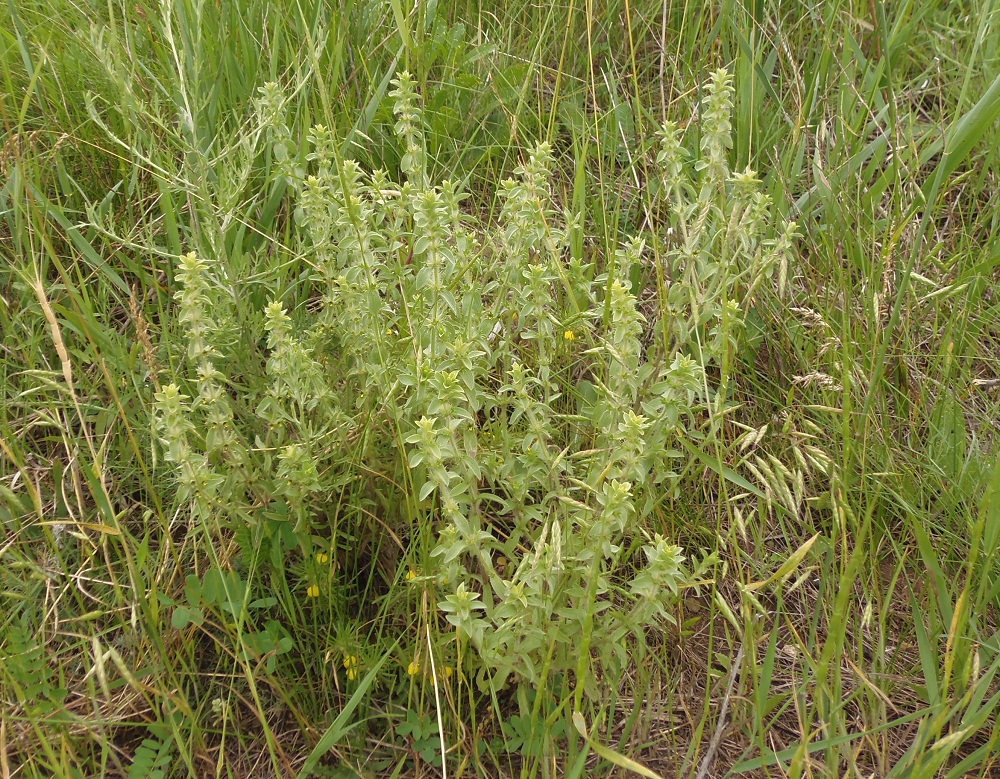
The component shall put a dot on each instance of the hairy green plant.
(484, 334)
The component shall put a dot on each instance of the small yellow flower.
(569, 335)
(322, 557)
(351, 663)
(413, 668)
(448, 671)
(313, 591)
(411, 575)
(352, 674)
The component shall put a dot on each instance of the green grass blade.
(965, 134)
(344, 723)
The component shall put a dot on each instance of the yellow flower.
(448, 671)
(322, 557)
(313, 591)
(351, 663)
(411, 575)
(413, 668)
(569, 335)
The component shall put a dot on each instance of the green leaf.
(426, 490)
(185, 615)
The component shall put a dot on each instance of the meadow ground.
(499, 389)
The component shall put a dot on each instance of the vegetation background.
(836, 479)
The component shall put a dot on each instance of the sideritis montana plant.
(506, 405)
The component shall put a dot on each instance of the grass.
(844, 476)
